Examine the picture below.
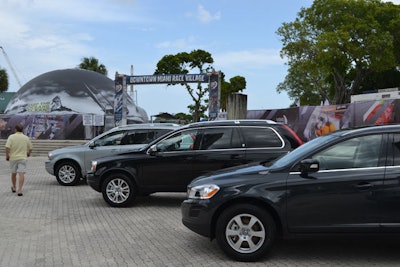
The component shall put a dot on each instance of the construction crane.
(11, 67)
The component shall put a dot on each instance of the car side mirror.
(309, 166)
(92, 145)
(153, 150)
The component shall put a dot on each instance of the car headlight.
(203, 191)
(50, 156)
(94, 166)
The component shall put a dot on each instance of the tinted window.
(353, 153)
(220, 138)
(141, 136)
(180, 141)
(155, 133)
(134, 137)
(256, 137)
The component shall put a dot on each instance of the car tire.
(241, 241)
(67, 173)
(118, 190)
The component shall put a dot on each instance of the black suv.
(169, 163)
(345, 183)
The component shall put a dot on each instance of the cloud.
(205, 16)
(181, 44)
(73, 10)
(397, 2)
(14, 28)
(248, 59)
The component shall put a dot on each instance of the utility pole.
(11, 67)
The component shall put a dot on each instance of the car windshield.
(303, 150)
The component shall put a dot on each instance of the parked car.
(342, 183)
(70, 164)
(170, 163)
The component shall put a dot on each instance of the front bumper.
(49, 166)
(197, 216)
(93, 181)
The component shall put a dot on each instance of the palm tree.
(3, 80)
(92, 63)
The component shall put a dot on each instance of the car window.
(155, 133)
(359, 152)
(256, 137)
(131, 137)
(220, 138)
(290, 135)
(396, 150)
(304, 150)
(134, 137)
(110, 139)
(180, 141)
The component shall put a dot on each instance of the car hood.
(85, 147)
(233, 173)
(68, 149)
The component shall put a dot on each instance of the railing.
(42, 147)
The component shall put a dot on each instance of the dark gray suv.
(70, 164)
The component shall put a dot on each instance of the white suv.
(70, 164)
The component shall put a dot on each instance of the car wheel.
(68, 173)
(245, 232)
(118, 190)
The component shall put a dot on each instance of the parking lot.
(53, 225)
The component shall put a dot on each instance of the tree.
(92, 63)
(3, 80)
(334, 46)
(183, 63)
(184, 118)
(235, 84)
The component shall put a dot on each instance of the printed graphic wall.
(312, 121)
(308, 121)
(45, 126)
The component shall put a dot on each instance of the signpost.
(121, 81)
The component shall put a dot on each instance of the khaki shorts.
(18, 166)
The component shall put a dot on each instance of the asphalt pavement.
(54, 225)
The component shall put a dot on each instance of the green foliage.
(182, 63)
(92, 64)
(386, 79)
(184, 118)
(3, 80)
(200, 61)
(335, 45)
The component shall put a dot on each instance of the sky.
(45, 35)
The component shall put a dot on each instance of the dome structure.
(66, 104)
(71, 91)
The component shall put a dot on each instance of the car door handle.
(364, 185)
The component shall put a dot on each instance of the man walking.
(18, 149)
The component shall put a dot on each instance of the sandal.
(12, 189)
(20, 194)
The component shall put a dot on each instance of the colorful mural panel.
(312, 121)
(45, 126)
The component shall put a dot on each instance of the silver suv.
(70, 164)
